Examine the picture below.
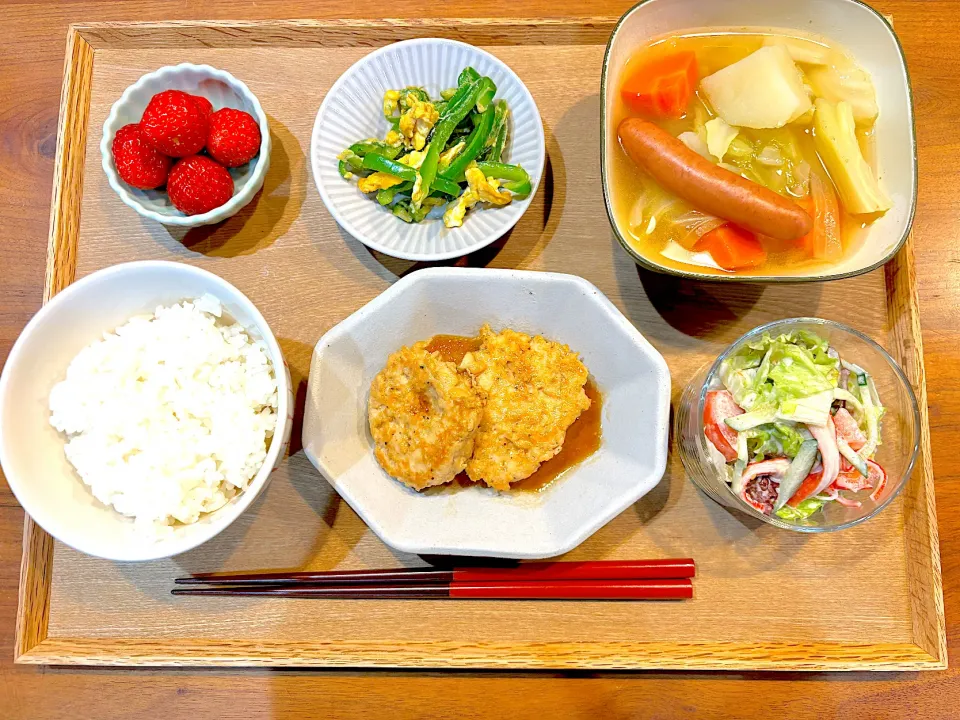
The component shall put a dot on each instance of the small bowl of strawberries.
(186, 145)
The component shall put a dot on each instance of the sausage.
(710, 188)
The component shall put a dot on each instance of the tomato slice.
(806, 489)
(719, 406)
(879, 476)
(662, 87)
(848, 429)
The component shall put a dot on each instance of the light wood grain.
(305, 275)
(30, 85)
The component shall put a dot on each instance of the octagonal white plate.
(632, 377)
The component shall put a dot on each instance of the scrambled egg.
(417, 121)
(533, 392)
(413, 159)
(450, 155)
(391, 102)
(423, 416)
(377, 181)
(479, 189)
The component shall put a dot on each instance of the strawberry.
(138, 163)
(206, 107)
(197, 185)
(234, 137)
(174, 124)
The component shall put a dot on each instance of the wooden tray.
(867, 598)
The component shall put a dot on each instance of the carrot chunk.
(732, 247)
(662, 87)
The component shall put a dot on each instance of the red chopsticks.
(597, 580)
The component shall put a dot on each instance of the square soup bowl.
(631, 375)
(865, 33)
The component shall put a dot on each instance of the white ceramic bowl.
(351, 111)
(223, 90)
(631, 375)
(31, 450)
(852, 24)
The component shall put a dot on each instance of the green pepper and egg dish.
(444, 152)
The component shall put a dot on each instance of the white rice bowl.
(169, 416)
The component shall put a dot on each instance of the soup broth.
(662, 227)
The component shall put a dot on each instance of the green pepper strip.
(518, 181)
(499, 120)
(468, 75)
(486, 94)
(475, 143)
(386, 195)
(496, 152)
(378, 163)
(402, 211)
(364, 148)
(455, 111)
(352, 164)
(445, 186)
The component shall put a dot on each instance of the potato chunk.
(764, 90)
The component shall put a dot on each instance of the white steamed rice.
(170, 415)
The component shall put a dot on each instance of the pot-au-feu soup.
(745, 153)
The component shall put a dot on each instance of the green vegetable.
(812, 410)
(475, 144)
(446, 187)
(836, 141)
(351, 163)
(378, 163)
(517, 179)
(418, 92)
(802, 511)
(455, 111)
(386, 195)
(375, 146)
(852, 457)
(403, 211)
(797, 472)
(448, 93)
(769, 371)
(468, 75)
(775, 439)
(752, 419)
(487, 91)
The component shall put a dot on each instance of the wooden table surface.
(31, 62)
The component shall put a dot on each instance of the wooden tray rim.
(33, 645)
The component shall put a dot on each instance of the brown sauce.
(452, 348)
(582, 441)
(583, 437)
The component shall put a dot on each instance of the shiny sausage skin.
(710, 188)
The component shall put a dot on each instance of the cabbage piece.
(813, 410)
(693, 141)
(836, 141)
(764, 90)
(802, 50)
(719, 137)
(850, 84)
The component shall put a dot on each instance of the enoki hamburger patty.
(423, 416)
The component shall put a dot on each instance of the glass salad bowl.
(786, 423)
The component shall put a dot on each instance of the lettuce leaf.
(768, 371)
(776, 439)
(802, 511)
